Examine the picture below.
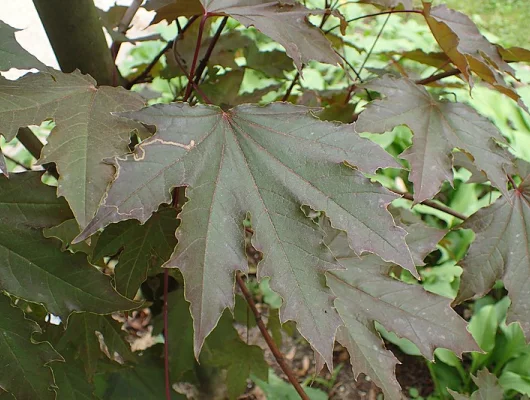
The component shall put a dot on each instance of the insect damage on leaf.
(266, 161)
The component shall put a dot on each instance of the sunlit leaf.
(468, 49)
(85, 133)
(439, 127)
(266, 161)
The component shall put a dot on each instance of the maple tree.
(184, 201)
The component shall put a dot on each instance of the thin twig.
(437, 77)
(374, 44)
(207, 55)
(16, 162)
(147, 70)
(514, 185)
(34, 146)
(270, 342)
(124, 24)
(291, 86)
(374, 15)
(166, 335)
(432, 204)
(195, 57)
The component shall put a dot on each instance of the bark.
(76, 35)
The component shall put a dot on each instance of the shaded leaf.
(82, 340)
(488, 388)
(12, 55)
(145, 247)
(285, 22)
(266, 161)
(85, 133)
(501, 251)
(66, 232)
(33, 267)
(24, 370)
(72, 383)
(143, 381)
(271, 63)
(227, 350)
(438, 127)
(460, 39)
(366, 294)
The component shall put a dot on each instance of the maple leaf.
(501, 251)
(488, 388)
(283, 21)
(266, 162)
(33, 267)
(365, 293)
(438, 127)
(81, 339)
(23, 363)
(71, 382)
(468, 49)
(12, 55)
(85, 133)
(144, 247)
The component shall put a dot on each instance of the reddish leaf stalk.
(375, 15)
(514, 185)
(207, 55)
(166, 335)
(195, 57)
(437, 77)
(270, 342)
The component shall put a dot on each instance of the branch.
(16, 162)
(291, 87)
(374, 15)
(270, 342)
(77, 38)
(169, 45)
(437, 77)
(432, 204)
(166, 335)
(34, 146)
(123, 26)
(195, 57)
(207, 55)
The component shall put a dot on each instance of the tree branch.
(34, 146)
(123, 26)
(437, 77)
(432, 204)
(77, 38)
(166, 335)
(195, 57)
(169, 45)
(270, 342)
(375, 15)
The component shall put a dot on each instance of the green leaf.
(285, 23)
(71, 382)
(12, 55)
(266, 161)
(460, 39)
(438, 128)
(24, 370)
(145, 247)
(33, 267)
(227, 350)
(66, 232)
(276, 388)
(143, 381)
(488, 388)
(365, 294)
(81, 338)
(501, 251)
(3, 165)
(85, 131)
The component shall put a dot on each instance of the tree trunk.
(77, 38)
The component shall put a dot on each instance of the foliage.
(316, 148)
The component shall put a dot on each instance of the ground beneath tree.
(411, 373)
